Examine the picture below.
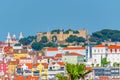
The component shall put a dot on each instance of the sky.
(32, 16)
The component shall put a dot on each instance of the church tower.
(14, 38)
(21, 36)
(8, 38)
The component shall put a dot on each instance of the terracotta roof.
(100, 45)
(19, 66)
(32, 78)
(74, 48)
(54, 58)
(103, 78)
(30, 65)
(52, 49)
(89, 68)
(59, 55)
(39, 57)
(12, 63)
(19, 78)
(48, 57)
(72, 54)
(36, 64)
(114, 47)
(61, 63)
(45, 65)
(8, 49)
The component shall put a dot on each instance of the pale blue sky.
(32, 16)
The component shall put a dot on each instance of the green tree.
(71, 39)
(23, 41)
(61, 77)
(57, 31)
(27, 40)
(105, 34)
(80, 39)
(37, 45)
(104, 62)
(44, 39)
(77, 71)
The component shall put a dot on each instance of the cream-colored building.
(61, 36)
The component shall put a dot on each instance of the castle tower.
(21, 36)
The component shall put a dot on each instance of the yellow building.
(20, 53)
(62, 36)
(12, 67)
(43, 70)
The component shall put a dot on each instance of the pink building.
(3, 67)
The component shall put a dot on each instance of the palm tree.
(77, 71)
(82, 71)
(61, 77)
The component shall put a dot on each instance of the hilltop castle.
(62, 36)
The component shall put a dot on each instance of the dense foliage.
(104, 62)
(105, 34)
(76, 72)
(64, 31)
(73, 38)
(27, 40)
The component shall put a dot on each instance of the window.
(98, 50)
(95, 50)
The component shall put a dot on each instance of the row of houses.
(23, 61)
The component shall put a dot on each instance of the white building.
(112, 53)
(54, 51)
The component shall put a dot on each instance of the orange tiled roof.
(48, 57)
(45, 65)
(52, 49)
(30, 65)
(61, 63)
(8, 49)
(32, 78)
(19, 78)
(74, 48)
(58, 55)
(89, 68)
(12, 63)
(19, 66)
(100, 45)
(73, 54)
(114, 47)
(103, 78)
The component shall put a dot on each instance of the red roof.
(19, 78)
(32, 78)
(89, 68)
(73, 54)
(52, 49)
(48, 57)
(45, 65)
(30, 65)
(74, 48)
(100, 45)
(114, 47)
(61, 63)
(8, 49)
(58, 55)
(104, 78)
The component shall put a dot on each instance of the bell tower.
(21, 36)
